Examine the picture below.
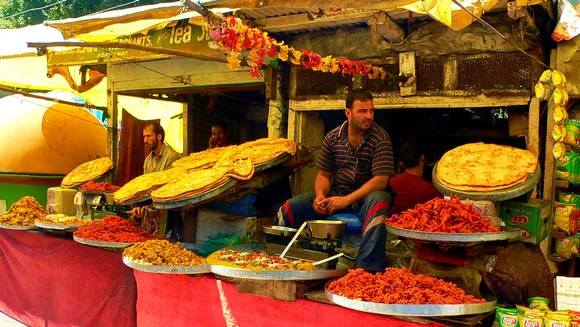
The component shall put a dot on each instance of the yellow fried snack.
(23, 212)
(143, 185)
(202, 160)
(162, 253)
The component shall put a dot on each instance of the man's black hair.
(410, 154)
(157, 130)
(362, 95)
(222, 124)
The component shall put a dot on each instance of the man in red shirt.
(410, 187)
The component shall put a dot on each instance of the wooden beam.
(383, 25)
(112, 122)
(303, 22)
(416, 102)
(534, 127)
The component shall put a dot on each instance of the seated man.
(355, 162)
(410, 187)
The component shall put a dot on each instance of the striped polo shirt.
(352, 168)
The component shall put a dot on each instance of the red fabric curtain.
(132, 153)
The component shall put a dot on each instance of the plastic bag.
(566, 247)
(562, 214)
(218, 242)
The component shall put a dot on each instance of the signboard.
(181, 36)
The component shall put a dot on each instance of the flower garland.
(233, 36)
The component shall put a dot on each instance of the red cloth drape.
(195, 301)
(50, 281)
(132, 152)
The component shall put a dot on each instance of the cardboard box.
(561, 293)
(532, 217)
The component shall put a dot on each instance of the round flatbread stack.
(190, 185)
(87, 172)
(202, 160)
(263, 150)
(237, 167)
(142, 186)
(485, 167)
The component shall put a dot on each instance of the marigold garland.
(233, 36)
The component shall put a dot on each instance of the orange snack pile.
(113, 229)
(443, 216)
(399, 286)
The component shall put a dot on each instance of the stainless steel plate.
(56, 226)
(497, 195)
(510, 234)
(272, 163)
(269, 274)
(96, 192)
(16, 227)
(137, 201)
(197, 199)
(418, 310)
(279, 230)
(183, 270)
(100, 244)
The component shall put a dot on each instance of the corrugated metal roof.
(271, 12)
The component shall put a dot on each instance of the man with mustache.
(162, 155)
(354, 165)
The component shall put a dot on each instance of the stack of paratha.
(202, 160)
(263, 150)
(142, 186)
(485, 167)
(191, 184)
(87, 171)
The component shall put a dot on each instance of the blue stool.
(353, 227)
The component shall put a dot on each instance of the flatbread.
(191, 183)
(485, 165)
(87, 171)
(142, 186)
(263, 150)
(202, 160)
(479, 188)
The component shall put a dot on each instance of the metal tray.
(497, 195)
(417, 310)
(100, 244)
(511, 234)
(232, 272)
(184, 270)
(17, 227)
(273, 163)
(56, 226)
(197, 199)
(279, 231)
(129, 203)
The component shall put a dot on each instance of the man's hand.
(212, 142)
(335, 203)
(318, 206)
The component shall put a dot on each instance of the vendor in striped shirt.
(355, 162)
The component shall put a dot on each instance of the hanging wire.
(33, 9)
(488, 26)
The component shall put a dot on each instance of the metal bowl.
(324, 229)
(279, 231)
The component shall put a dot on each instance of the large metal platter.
(197, 199)
(56, 226)
(497, 195)
(272, 163)
(99, 244)
(417, 310)
(279, 231)
(137, 201)
(183, 270)
(16, 227)
(510, 234)
(232, 272)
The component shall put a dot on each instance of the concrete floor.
(6, 321)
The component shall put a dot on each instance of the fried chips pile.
(162, 253)
(23, 212)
